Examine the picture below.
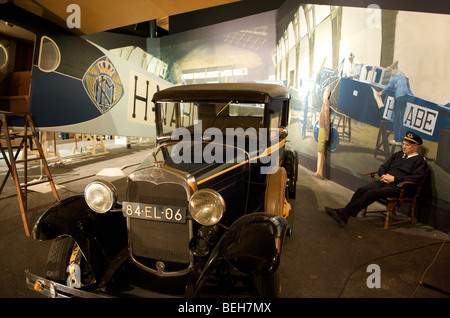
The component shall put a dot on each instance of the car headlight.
(207, 207)
(100, 196)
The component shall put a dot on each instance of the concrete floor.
(320, 260)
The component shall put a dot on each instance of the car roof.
(242, 92)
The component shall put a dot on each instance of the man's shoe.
(337, 215)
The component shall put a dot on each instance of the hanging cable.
(393, 254)
(426, 270)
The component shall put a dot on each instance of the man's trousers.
(368, 194)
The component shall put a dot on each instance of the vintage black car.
(207, 212)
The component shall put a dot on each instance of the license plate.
(154, 212)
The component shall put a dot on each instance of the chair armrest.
(372, 174)
(405, 183)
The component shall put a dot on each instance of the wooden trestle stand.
(28, 133)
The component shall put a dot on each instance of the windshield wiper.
(220, 112)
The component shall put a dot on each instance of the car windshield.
(220, 115)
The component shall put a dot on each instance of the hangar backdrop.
(306, 47)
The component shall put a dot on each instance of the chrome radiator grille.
(168, 242)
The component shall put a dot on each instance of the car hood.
(203, 168)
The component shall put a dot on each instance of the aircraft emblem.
(103, 85)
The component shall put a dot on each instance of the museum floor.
(320, 260)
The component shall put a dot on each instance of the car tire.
(266, 286)
(64, 252)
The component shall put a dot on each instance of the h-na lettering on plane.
(70, 84)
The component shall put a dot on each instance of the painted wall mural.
(350, 50)
(235, 51)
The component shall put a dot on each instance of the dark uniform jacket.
(410, 169)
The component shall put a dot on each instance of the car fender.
(252, 245)
(256, 242)
(99, 236)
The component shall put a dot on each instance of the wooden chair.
(401, 200)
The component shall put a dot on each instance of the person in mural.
(399, 84)
(349, 67)
(405, 165)
(324, 132)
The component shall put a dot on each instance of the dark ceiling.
(201, 18)
(157, 18)
(209, 16)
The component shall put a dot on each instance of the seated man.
(405, 165)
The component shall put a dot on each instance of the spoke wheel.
(66, 264)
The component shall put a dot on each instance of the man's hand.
(387, 178)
